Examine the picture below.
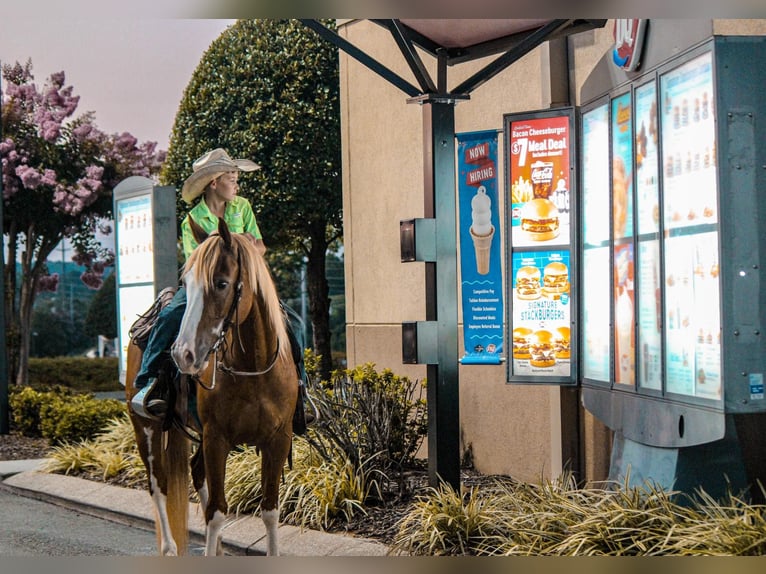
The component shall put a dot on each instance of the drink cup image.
(482, 231)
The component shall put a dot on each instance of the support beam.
(443, 377)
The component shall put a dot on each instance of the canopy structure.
(450, 42)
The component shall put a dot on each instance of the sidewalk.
(241, 536)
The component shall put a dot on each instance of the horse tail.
(177, 465)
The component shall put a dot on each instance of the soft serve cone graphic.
(482, 230)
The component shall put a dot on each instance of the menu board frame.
(597, 244)
(541, 261)
(642, 236)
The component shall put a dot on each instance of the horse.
(234, 342)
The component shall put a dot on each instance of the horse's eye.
(221, 284)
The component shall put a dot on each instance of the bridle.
(219, 347)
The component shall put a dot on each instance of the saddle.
(180, 391)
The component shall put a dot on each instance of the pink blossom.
(92, 280)
(48, 283)
(29, 176)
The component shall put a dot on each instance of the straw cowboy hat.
(208, 167)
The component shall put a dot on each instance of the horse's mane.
(201, 264)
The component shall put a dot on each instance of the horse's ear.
(198, 233)
(223, 231)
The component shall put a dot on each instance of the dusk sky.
(130, 71)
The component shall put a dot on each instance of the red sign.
(628, 42)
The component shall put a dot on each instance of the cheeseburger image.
(541, 349)
(528, 283)
(561, 349)
(555, 280)
(521, 342)
(540, 219)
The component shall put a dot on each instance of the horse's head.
(224, 277)
(215, 278)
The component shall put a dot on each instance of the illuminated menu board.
(596, 348)
(539, 187)
(649, 317)
(650, 232)
(691, 267)
(623, 257)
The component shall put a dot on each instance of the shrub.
(61, 415)
(372, 416)
(77, 373)
(26, 405)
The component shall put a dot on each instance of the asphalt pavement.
(243, 535)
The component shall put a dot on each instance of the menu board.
(622, 222)
(134, 229)
(649, 316)
(596, 347)
(688, 144)
(541, 313)
(691, 267)
(539, 181)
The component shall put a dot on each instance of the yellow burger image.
(540, 219)
(541, 349)
(521, 342)
(561, 347)
(528, 282)
(555, 280)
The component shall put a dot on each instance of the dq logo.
(628, 42)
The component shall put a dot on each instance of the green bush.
(77, 373)
(375, 418)
(61, 415)
(26, 405)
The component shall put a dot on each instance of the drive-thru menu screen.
(650, 234)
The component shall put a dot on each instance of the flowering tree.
(58, 172)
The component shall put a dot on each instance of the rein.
(219, 346)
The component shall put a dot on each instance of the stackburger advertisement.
(480, 248)
(539, 179)
(541, 314)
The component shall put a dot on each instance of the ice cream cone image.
(482, 245)
(482, 230)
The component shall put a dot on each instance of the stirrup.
(146, 407)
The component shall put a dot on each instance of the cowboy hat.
(209, 166)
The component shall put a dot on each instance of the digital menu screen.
(541, 313)
(596, 344)
(649, 316)
(134, 231)
(691, 267)
(623, 256)
(540, 185)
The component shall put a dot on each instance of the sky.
(130, 71)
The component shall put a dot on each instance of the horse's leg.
(214, 451)
(273, 459)
(198, 478)
(149, 442)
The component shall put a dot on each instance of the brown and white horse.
(234, 340)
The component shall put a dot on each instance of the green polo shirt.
(238, 215)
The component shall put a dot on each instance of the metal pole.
(443, 377)
(4, 406)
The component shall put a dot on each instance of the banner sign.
(480, 248)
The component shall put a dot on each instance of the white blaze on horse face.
(191, 349)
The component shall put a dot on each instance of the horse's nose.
(183, 357)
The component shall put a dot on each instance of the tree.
(58, 173)
(268, 90)
(102, 311)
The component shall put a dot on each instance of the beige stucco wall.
(511, 429)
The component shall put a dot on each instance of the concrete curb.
(243, 535)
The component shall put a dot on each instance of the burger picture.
(555, 280)
(521, 342)
(528, 282)
(541, 349)
(561, 349)
(540, 219)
